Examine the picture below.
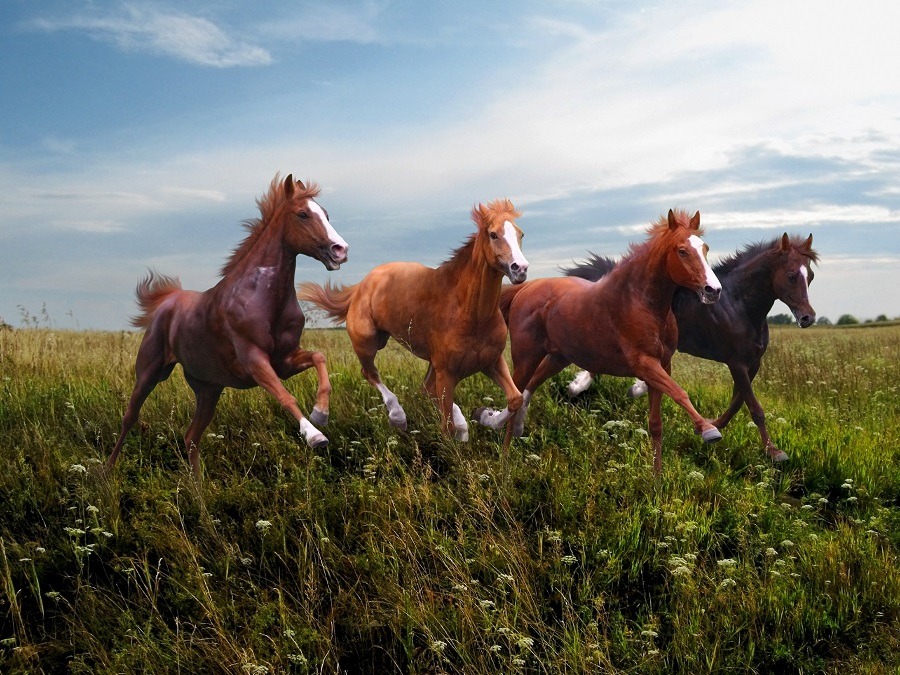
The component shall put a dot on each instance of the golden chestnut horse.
(447, 315)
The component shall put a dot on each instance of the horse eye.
(792, 278)
(682, 252)
(493, 235)
(302, 214)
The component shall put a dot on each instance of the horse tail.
(594, 268)
(150, 292)
(333, 300)
(507, 294)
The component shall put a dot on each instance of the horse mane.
(658, 229)
(268, 204)
(732, 262)
(481, 215)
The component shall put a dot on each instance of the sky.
(138, 135)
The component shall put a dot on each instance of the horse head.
(308, 230)
(500, 239)
(686, 261)
(792, 276)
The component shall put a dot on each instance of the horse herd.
(622, 318)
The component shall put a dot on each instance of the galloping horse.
(447, 315)
(621, 325)
(245, 331)
(734, 331)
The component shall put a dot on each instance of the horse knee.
(514, 403)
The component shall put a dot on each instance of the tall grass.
(392, 552)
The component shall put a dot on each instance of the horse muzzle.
(334, 256)
(517, 273)
(804, 319)
(709, 294)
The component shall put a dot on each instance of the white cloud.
(190, 38)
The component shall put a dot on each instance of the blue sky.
(139, 134)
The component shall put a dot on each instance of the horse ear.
(484, 214)
(289, 186)
(808, 243)
(673, 224)
(695, 221)
(785, 243)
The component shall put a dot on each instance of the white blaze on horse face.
(512, 240)
(329, 230)
(805, 274)
(711, 279)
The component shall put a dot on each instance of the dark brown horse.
(734, 331)
(245, 331)
(448, 316)
(621, 325)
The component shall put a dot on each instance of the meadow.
(397, 552)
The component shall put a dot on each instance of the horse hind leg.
(366, 347)
(151, 368)
(207, 399)
(580, 383)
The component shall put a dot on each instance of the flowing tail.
(150, 292)
(507, 294)
(333, 300)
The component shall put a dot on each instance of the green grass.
(410, 553)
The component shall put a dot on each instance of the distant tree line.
(844, 320)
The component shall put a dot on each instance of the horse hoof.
(711, 435)
(483, 416)
(779, 456)
(461, 435)
(637, 390)
(318, 418)
(317, 441)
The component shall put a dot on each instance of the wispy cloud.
(190, 38)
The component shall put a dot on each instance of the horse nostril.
(712, 292)
(514, 267)
(338, 251)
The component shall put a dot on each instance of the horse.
(621, 325)
(734, 331)
(244, 331)
(447, 315)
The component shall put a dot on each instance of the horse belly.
(589, 339)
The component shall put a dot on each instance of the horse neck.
(474, 281)
(648, 273)
(266, 251)
(749, 287)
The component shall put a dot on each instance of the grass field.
(409, 553)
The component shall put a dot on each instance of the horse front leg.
(743, 379)
(207, 398)
(460, 426)
(654, 426)
(443, 387)
(652, 372)
(257, 363)
(301, 360)
(499, 373)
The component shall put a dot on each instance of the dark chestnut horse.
(448, 315)
(621, 325)
(245, 331)
(734, 331)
